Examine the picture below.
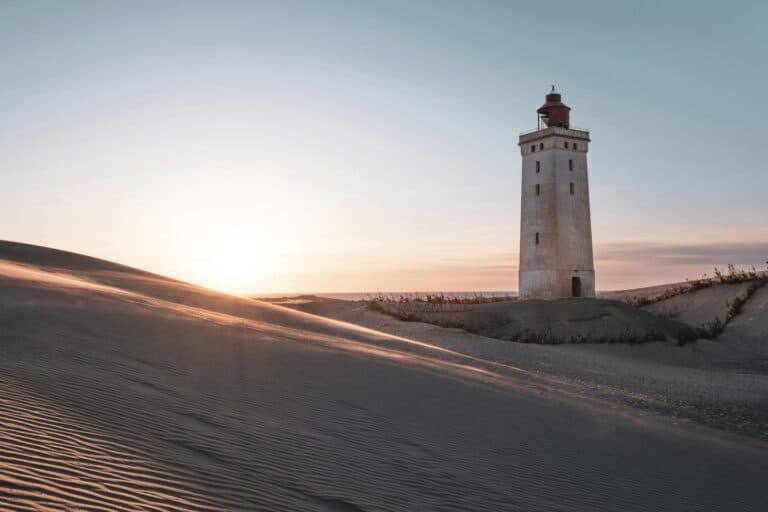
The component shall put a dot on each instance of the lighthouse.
(555, 226)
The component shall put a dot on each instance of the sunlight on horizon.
(234, 262)
(341, 150)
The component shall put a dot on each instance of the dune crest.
(122, 390)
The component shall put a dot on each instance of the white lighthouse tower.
(555, 225)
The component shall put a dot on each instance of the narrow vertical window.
(566, 144)
(575, 146)
(537, 238)
(570, 165)
(538, 166)
(571, 188)
(533, 148)
(538, 188)
(541, 145)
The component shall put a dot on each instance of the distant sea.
(410, 295)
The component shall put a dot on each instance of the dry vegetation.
(442, 298)
(713, 329)
(733, 307)
(542, 322)
(423, 308)
(408, 308)
(733, 276)
(627, 337)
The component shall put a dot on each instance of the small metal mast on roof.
(538, 117)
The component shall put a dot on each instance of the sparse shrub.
(548, 339)
(687, 336)
(437, 300)
(715, 327)
(414, 308)
(733, 308)
(733, 276)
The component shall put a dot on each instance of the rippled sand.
(120, 390)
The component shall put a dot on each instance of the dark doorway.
(575, 287)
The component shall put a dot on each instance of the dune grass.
(413, 308)
(731, 276)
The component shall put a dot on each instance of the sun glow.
(235, 263)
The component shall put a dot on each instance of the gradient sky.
(372, 146)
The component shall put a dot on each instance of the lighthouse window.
(538, 166)
(537, 238)
(575, 146)
(571, 188)
(566, 144)
(541, 145)
(570, 165)
(533, 148)
(538, 189)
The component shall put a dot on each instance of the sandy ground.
(545, 321)
(701, 307)
(721, 383)
(648, 292)
(121, 390)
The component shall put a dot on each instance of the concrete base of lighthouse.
(556, 284)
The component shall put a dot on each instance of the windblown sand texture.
(122, 390)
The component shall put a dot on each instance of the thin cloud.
(738, 253)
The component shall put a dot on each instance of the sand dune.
(721, 383)
(701, 307)
(122, 390)
(546, 321)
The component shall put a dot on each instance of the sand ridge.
(166, 392)
(722, 383)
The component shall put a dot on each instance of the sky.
(323, 146)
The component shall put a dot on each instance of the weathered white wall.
(561, 219)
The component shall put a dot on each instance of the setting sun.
(392, 255)
(233, 262)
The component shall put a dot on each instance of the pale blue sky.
(345, 146)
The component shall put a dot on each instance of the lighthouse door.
(575, 287)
